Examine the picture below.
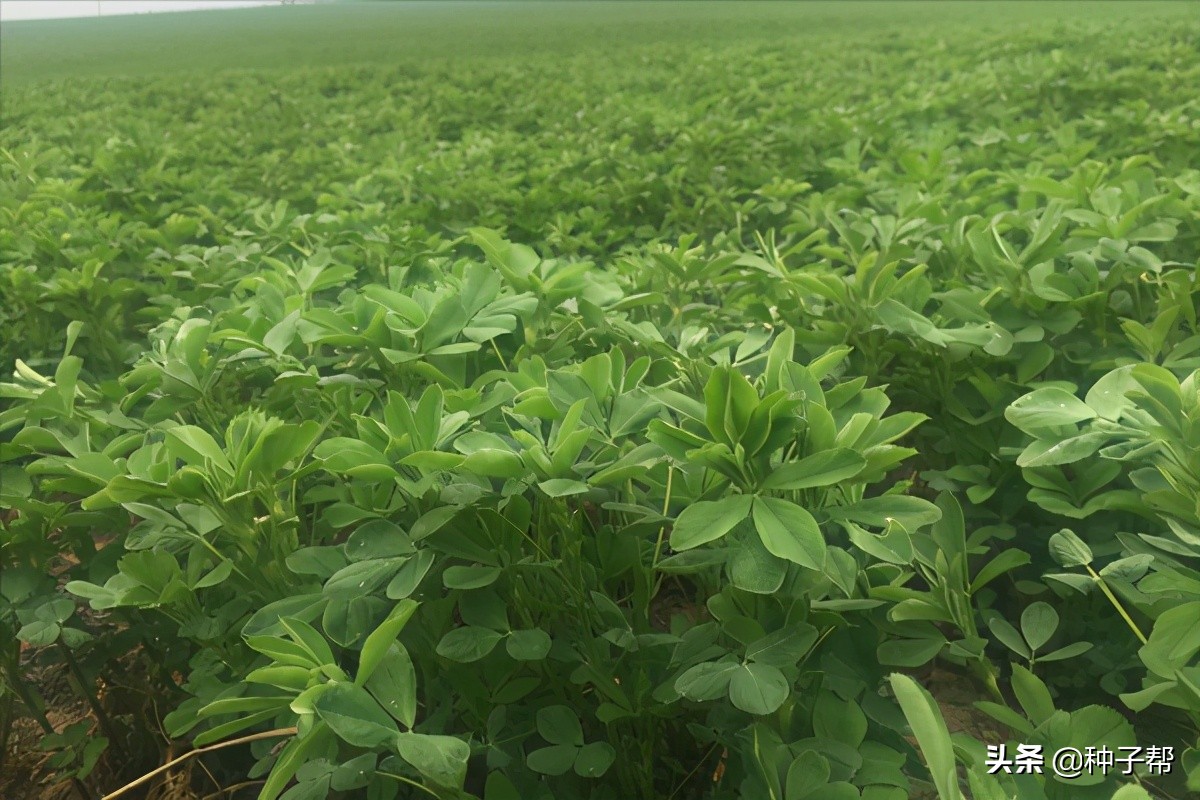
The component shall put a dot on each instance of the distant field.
(415, 32)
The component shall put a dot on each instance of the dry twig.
(272, 734)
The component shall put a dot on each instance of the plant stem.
(503, 363)
(6, 718)
(254, 737)
(27, 699)
(409, 781)
(1112, 598)
(694, 770)
(101, 717)
(662, 528)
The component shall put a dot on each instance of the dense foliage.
(614, 427)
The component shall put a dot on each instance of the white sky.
(11, 10)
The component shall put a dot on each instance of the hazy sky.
(53, 9)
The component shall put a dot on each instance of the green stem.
(6, 718)
(658, 545)
(409, 781)
(1112, 598)
(25, 695)
(503, 363)
(101, 717)
(27, 698)
(695, 769)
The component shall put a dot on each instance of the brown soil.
(955, 695)
(25, 773)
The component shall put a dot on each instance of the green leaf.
(283, 334)
(949, 532)
(484, 608)
(409, 576)
(840, 720)
(265, 621)
(294, 754)
(470, 577)
(431, 522)
(283, 651)
(197, 447)
(356, 773)
(1140, 700)
(215, 576)
(708, 520)
(931, 733)
(1174, 640)
(495, 463)
(309, 638)
(39, 633)
(350, 619)
(758, 688)
(716, 404)
(789, 532)
(1107, 397)
(1032, 694)
(984, 786)
(303, 702)
(1038, 623)
(1069, 550)
(707, 680)
(377, 643)
(469, 643)
(399, 304)
(374, 539)
(562, 487)
(594, 759)
(1095, 727)
(528, 645)
(559, 725)
(918, 609)
(352, 714)
(909, 513)
(516, 261)
(433, 461)
(556, 759)
(314, 786)
(1007, 561)
(1054, 452)
(1130, 568)
(240, 705)
(784, 647)
(393, 684)
(820, 469)
(808, 773)
(1002, 713)
(284, 677)
(499, 787)
(441, 759)
(750, 566)
(908, 652)
(1063, 653)
(1080, 583)
(693, 561)
(1007, 634)
(362, 577)
(1048, 407)
(224, 731)
(354, 458)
